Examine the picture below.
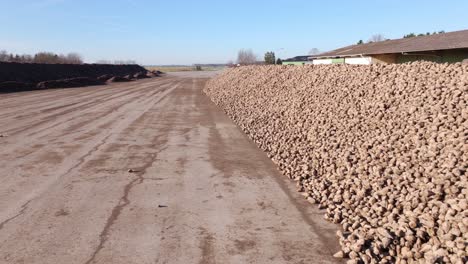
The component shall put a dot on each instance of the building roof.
(443, 41)
(298, 58)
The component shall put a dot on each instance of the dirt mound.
(13, 86)
(105, 77)
(69, 83)
(140, 75)
(119, 79)
(154, 73)
(24, 74)
(382, 148)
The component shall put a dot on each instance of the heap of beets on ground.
(382, 148)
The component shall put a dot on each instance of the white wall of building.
(355, 61)
(360, 60)
(322, 61)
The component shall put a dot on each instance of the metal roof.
(443, 41)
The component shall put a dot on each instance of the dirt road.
(144, 172)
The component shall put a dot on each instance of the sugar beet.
(382, 148)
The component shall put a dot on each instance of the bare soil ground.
(144, 172)
(183, 68)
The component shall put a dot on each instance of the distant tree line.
(380, 37)
(116, 62)
(42, 57)
(411, 35)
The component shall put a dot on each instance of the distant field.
(183, 68)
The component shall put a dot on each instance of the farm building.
(445, 47)
(298, 60)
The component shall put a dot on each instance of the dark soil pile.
(69, 83)
(12, 86)
(141, 75)
(29, 76)
(119, 79)
(382, 148)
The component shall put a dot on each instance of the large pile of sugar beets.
(382, 148)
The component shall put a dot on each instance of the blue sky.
(209, 31)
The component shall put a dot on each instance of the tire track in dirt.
(104, 136)
(124, 200)
(39, 101)
(24, 207)
(100, 123)
(97, 101)
(159, 144)
(87, 126)
(93, 107)
(39, 96)
(48, 98)
(83, 124)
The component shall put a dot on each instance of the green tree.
(360, 42)
(279, 62)
(270, 58)
(410, 35)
